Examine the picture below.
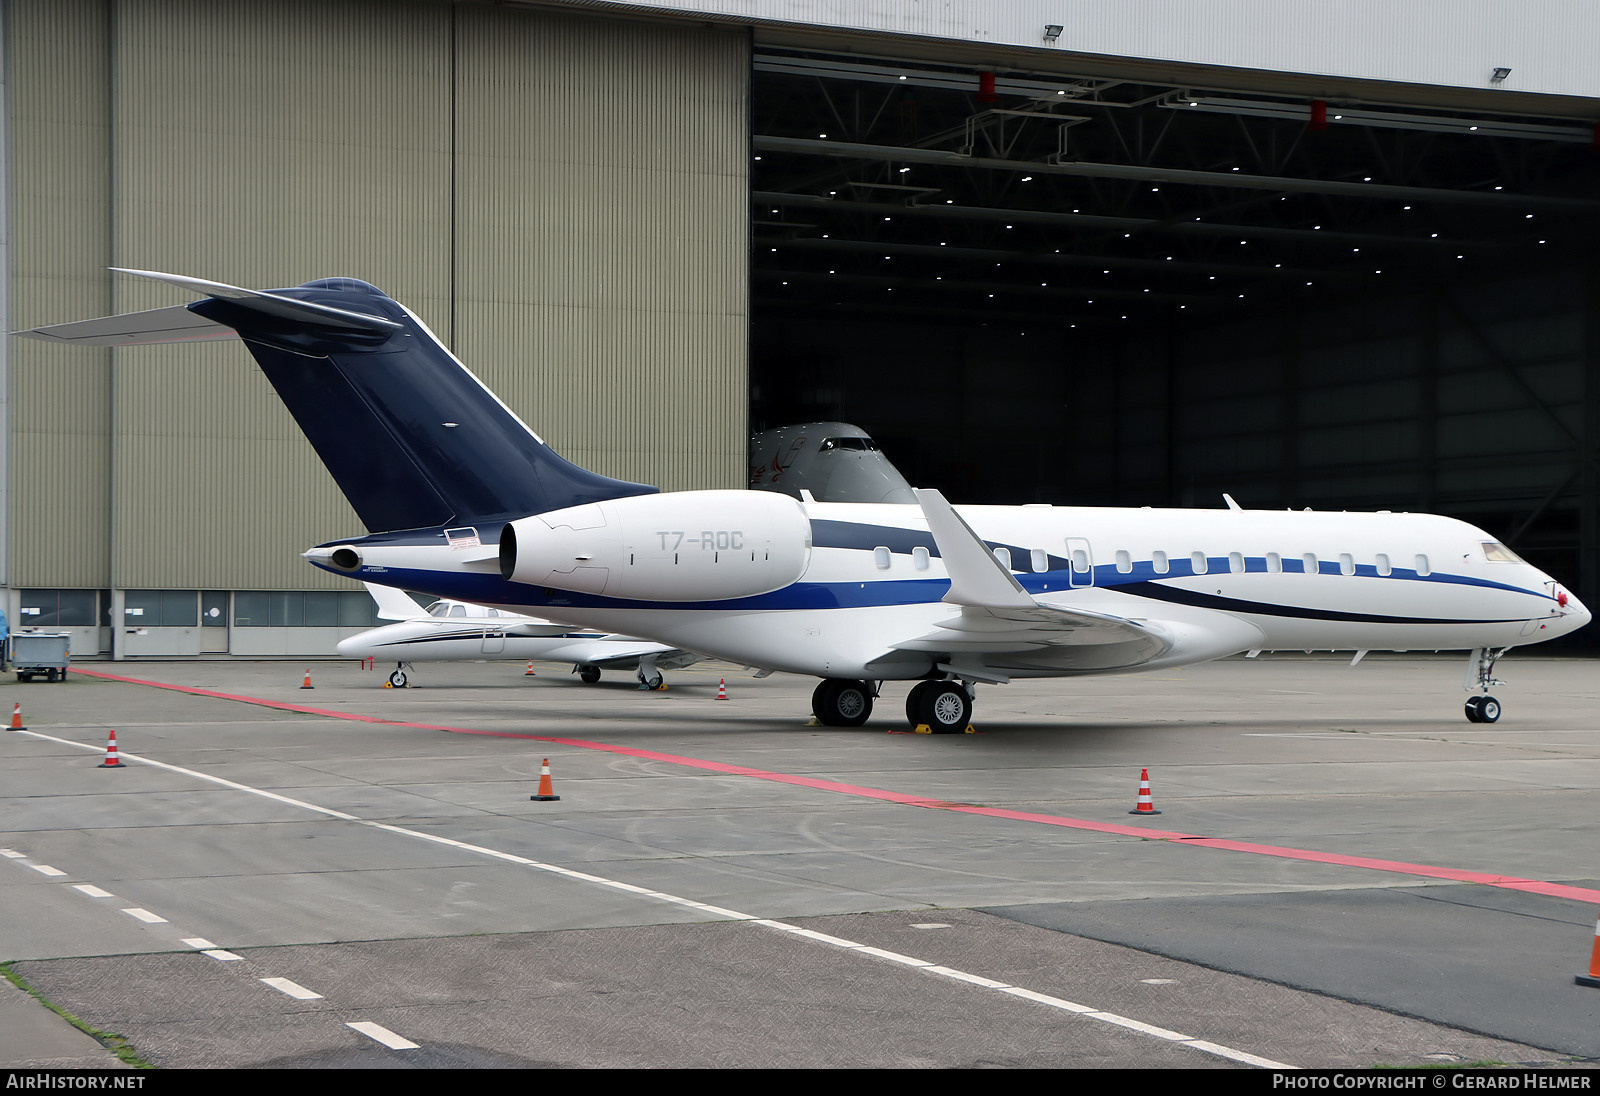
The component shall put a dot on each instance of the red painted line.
(1460, 875)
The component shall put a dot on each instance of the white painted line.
(146, 916)
(382, 1035)
(224, 956)
(12, 854)
(199, 943)
(298, 992)
(1085, 1011)
(46, 869)
(92, 891)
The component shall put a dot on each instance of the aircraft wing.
(621, 651)
(999, 617)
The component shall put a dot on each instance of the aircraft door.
(494, 641)
(1080, 562)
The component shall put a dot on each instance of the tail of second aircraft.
(413, 439)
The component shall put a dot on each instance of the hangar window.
(1124, 561)
(161, 608)
(59, 609)
(1198, 561)
(1039, 560)
(1158, 562)
(880, 558)
(1383, 566)
(1004, 556)
(919, 558)
(1236, 562)
(1308, 563)
(1499, 553)
(1347, 564)
(1274, 563)
(305, 609)
(1422, 565)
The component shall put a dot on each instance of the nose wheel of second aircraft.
(1483, 709)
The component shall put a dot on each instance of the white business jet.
(456, 631)
(462, 500)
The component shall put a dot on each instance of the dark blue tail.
(413, 439)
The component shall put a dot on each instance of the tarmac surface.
(1344, 873)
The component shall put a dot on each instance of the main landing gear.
(1480, 675)
(944, 707)
(839, 703)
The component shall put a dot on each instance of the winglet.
(393, 604)
(976, 577)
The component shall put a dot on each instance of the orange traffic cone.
(1146, 805)
(546, 792)
(308, 684)
(112, 761)
(722, 688)
(529, 671)
(1593, 977)
(16, 718)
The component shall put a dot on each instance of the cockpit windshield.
(860, 445)
(1496, 552)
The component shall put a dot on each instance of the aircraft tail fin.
(413, 439)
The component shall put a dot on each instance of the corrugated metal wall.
(562, 199)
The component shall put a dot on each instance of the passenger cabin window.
(1197, 560)
(1158, 562)
(1347, 564)
(1040, 560)
(1004, 556)
(919, 558)
(1383, 566)
(439, 609)
(1236, 562)
(1124, 561)
(1308, 563)
(1422, 565)
(458, 610)
(1274, 563)
(880, 558)
(1499, 553)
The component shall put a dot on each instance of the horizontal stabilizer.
(174, 323)
(180, 323)
(277, 305)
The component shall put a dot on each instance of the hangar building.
(1122, 252)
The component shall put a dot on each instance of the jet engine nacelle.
(680, 546)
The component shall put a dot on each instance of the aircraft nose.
(1577, 613)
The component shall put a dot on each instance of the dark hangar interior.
(1108, 289)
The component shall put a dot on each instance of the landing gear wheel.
(588, 674)
(943, 706)
(1483, 709)
(398, 679)
(652, 682)
(839, 703)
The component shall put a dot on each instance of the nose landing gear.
(1480, 675)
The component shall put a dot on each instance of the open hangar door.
(1037, 287)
